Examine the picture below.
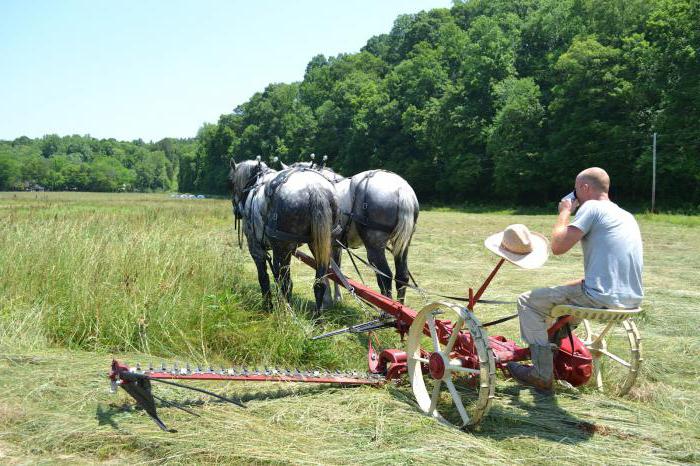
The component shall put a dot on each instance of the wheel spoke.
(457, 400)
(598, 374)
(423, 360)
(455, 331)
(435, 396)
(615, 358)
(602, 334)
(433, 333)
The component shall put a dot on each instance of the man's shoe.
(527, 375)
(540, 374)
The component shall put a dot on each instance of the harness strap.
(284, 236)
(354, 264)
(274, 184)
(366, 221)
(343, 279)
(500, 321)
(271, 230)
(362, 219)
(417, 288)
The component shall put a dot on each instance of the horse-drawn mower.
(450, 360)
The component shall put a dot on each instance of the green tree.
(591, 108)
(9, 172)
(107, 174)
(675, 41)
(50, 144)
(515, 141)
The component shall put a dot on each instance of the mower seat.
(591, 313)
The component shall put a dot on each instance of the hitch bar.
(360, 328)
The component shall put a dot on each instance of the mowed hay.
(146, 277)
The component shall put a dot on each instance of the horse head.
(242, 177)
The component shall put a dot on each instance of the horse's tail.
(323, 216)
(406, 224)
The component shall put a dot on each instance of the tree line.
(492, 100)
(87, 164)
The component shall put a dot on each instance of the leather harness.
(271, 229)
(363, 219)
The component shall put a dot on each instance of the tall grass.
(125, 273)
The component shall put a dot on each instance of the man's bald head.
(596, 178)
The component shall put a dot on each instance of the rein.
(419, 289)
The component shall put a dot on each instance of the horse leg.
(401, 267)
(333, 295)
(337, 257)
(264, 281)
(377, 258)
(259, 255)
(320, 289)
(327, 295)
(282, 256)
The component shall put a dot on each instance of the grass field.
(85, 277)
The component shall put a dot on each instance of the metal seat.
(601, 315)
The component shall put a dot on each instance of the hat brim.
(532, 260)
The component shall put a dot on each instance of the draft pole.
(653, 175)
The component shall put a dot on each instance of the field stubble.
(146, 277)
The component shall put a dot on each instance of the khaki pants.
(534, 308)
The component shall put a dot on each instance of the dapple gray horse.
(378, 207)
(282, 210)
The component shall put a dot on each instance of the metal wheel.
(616, 348)
(458, 390)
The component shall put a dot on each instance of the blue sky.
(153, 69)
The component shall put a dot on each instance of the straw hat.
(520, 246)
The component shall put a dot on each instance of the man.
(612, 262)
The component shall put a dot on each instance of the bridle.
(238, 204)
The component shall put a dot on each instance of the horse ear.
(284, 166)
(232, 163)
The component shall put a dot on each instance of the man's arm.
(564, 236)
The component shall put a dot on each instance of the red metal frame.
(573, 364)
(248, 376)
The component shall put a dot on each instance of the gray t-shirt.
(612, 254)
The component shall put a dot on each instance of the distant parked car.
(34, 187)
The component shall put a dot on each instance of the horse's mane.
(241, 176)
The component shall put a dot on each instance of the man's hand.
(568, 205)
